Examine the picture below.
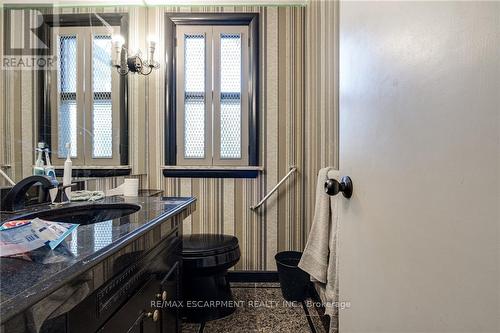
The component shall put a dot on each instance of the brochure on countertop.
(21, 236)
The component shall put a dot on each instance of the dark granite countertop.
(25, 281)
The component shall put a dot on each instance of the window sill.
(96, 171)
(181, 171)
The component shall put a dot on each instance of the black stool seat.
(205, 252)
(205, 261)
(206, 245)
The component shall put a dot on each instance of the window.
(85, 103)
(212, 95)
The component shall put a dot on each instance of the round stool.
(206, 291)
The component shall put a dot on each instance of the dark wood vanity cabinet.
(149, 309)
(152, 299)
(140, 298)
(135, 315)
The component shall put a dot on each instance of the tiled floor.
(263, 310)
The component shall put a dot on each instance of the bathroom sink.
(86, 214)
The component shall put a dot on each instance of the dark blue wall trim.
(212, 173)
(96, 172)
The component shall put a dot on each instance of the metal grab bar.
(292, 170)
(7, 178)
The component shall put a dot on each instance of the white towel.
(86, 195)
(320, 254)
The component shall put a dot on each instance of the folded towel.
(86, 195)
(320, 254)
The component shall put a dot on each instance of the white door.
(419, 136)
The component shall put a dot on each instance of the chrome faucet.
(61, 197)
(14, 200)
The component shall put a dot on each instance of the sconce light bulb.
(152, 47)
(151, 39)
(118, 40)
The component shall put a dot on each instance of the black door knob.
(333, 187)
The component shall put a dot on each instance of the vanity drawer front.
(136, 315)
(170, 295)
(148, 311)
(122, 294)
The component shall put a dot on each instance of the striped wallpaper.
(298, 126)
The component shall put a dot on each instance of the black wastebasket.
(294, 281)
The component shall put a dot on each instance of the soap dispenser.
(39, 168)
(49, 169)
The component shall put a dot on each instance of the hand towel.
(320, 254)
(86, 195)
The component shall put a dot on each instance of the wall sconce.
(134, 64)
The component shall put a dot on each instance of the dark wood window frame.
(44, 103)
(172, 20)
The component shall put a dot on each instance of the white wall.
(420, 137)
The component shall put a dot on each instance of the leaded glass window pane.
(230, 96)
(67, 110)
(102, 113)
(194, 96)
